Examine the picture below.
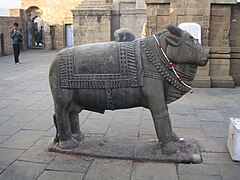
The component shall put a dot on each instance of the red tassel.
(179, 79)
(160, 46)
(191, 90)
(170, 64)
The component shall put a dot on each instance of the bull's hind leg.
(64, 128)
(74, 120)
(56, 139)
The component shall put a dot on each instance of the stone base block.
(202, 82)
(236, 79)
(222, 81)
(134, 149)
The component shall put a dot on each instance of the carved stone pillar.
(220, 67)
(235, 65)
(219, 43)
(235, 44)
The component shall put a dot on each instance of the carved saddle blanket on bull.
(119, 65)
(114, 65)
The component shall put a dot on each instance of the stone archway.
(35, 27)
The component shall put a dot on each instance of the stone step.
(94, 6)
(93, 2)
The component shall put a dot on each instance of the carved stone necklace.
(164, 65)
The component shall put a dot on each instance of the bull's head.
(182, 48)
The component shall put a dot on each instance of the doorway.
(2, 44)
(35, 28)
(69, 35)
(38, 32)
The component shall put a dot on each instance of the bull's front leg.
(163, 126)
(157, 105)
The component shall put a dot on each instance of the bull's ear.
(175, 30)
(173, 41)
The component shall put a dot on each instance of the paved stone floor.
(26, 129)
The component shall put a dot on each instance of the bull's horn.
(175, 30)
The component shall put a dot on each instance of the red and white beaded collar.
(171, 65)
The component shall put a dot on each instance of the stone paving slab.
(108, 169)
(198, 177)
(71, 163)
(10, 128)
(37, 154)
(12, 110)
(229, 172)
(121, 130)
(154, 171)
(26, 116)
(23, 170)
(3, 138)
(22, 140)
(217, 158)
(4, 119)
(60, 175)
(97, 126)
(199, 169)
(26, 130)
(8, 156)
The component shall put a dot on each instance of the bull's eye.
(193, 40)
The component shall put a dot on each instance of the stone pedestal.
(134, 149)
(92, 22)
(220, 67)
(235, 65)
(234, 38)
(202, 78)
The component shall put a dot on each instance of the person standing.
(16, 37)
(41, 35)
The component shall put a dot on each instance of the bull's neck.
(160, 61)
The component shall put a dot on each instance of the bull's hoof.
(69, 144)
(169, 149)
(174, 137)
(78, 136)
(56, 140)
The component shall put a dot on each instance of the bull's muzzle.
(205, 56)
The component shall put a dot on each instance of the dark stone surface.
(134, 149)
(123, 74)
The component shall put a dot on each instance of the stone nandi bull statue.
(150, 72)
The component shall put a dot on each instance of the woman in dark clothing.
(16, 37)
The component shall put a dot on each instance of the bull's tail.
(56, 139)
